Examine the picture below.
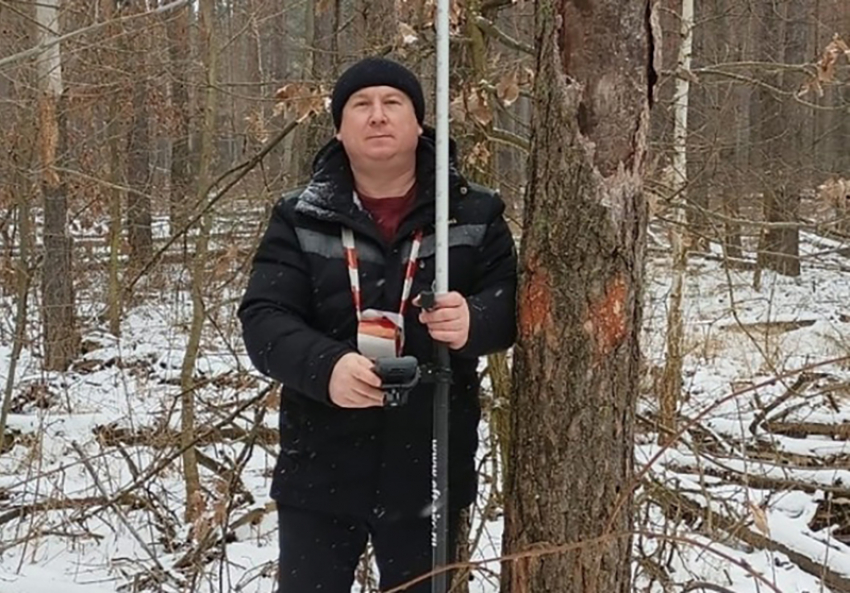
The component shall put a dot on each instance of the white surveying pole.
(440, 441)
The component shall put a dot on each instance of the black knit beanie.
(376, 72)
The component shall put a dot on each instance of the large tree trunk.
(140, 237)
(577, 359)
(134, 45)
(114, 304)
(701, 144)
(177, 28)
(318, 66)
(777, 122)
(61, 340)
(671, 385)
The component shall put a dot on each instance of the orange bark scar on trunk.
(606, 317)
(535, 300)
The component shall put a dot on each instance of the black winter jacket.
(298, 319)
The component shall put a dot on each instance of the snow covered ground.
(91, 496)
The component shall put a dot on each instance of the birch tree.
(61, 340)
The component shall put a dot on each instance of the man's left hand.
(448, 321)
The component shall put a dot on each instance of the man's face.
(378, 125)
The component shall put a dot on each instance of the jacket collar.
(330, 193)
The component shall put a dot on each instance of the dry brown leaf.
(221, 486)
(309, 106)
(825, 67)
(842, 45)
(480, 109)
(220, 512)
(653, 203)
(457, 110)
(299, 101)
(811, 84)
(429, 12)
(759, 518)
(288, 91)
(272, 401)
(455, 13)
(202, 528)
(835, 192)
(225, 261)
(407, 34)
(256, 127)
(526, 76)
(508, 88)
(479, 156)
(829, 58)
(197, 504)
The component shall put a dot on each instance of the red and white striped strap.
(350, 248)
(351, 259)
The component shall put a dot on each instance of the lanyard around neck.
(350, 248)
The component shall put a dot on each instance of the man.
(327, 296)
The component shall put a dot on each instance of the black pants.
(319, 552)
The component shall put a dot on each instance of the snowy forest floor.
(753, 497)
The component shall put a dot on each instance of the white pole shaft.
(440, 443)
(442, 168)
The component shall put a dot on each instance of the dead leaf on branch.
(479, 156)
(455, 13)
(759, 518)
(526, 76)
(195, 511)
(457, 110)
(407, 34)
(826, 66)
(220, 508)
(507, 88)
(479, 108)
(257, 127)
(300, 101)
(224, 264)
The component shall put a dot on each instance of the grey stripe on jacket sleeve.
(468, 235)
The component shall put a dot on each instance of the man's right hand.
(354, 384)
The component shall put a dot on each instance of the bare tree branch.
(491, 29)
(701, 586)
(42, 47)
(116, 508)
(496, 5)
(243, 169)
(509, 138)
(760, 83)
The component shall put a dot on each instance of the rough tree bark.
(139, 218)
(114, 304)
(577, 359)
(779, 131)
(61, 341)
(320, 65)
(177, 29)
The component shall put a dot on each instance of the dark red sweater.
(389, 212)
